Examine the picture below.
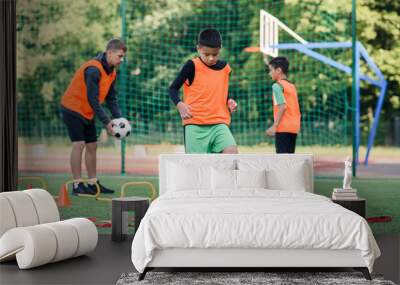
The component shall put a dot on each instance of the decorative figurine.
(347, 174)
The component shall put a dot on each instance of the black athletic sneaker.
(102, 188)
(82, 189)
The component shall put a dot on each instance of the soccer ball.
(121, 127)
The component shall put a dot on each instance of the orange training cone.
(63, 199)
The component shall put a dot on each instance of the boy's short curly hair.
(281, 62)
(210, 38)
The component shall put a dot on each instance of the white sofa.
(31, 230)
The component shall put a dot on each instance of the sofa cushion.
(23, 208)
(32, 246)
(87, 235)
(40, 244)
(67, 240)
(6, 215)
(45, 205)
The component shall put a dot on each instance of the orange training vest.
(207, 95)
(290, 121)
(75, 98)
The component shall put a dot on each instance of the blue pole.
(376, 120)
(313, 45)
(306, 49)
(324, 59)
(370, 62)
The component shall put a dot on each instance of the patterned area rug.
(242, 278)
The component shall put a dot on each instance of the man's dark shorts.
(79, 129)
(285, 142)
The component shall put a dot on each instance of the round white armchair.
(31, 230)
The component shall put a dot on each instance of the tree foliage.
(53, 39)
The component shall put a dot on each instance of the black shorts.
(79, 129)
(285, 142)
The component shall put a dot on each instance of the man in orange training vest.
(205, 108)
(286, 107)
(92, 85)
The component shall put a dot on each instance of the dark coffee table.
(120, 208)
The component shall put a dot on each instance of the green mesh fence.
(161, 37)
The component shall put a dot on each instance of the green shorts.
(208, 138)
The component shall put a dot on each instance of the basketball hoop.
(269, 33)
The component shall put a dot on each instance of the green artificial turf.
(382, 195)
(89, 207)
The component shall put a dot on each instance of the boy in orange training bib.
(287, 114)
(205, 109)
